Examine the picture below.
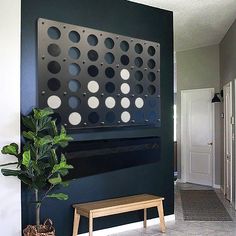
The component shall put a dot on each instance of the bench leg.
(90, 225)
(76, 223)
(145, 218)
(161, 217)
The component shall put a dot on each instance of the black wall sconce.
(216, 97)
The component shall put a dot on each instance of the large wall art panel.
(93, 78)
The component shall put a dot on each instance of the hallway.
(179, 227)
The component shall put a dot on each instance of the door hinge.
(232, 120)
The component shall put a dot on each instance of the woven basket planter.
(44, 230)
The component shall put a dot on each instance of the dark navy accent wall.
(125, 18)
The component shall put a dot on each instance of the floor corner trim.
(127, 227)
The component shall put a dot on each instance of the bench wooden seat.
(93, 210)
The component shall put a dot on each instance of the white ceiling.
(197, 23)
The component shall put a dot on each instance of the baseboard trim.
(217, 186)
(132, 226)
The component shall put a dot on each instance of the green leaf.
(59, 196)
(11, 149)
(25, 179)
(43, 141)
(36, 167)
(7, 172)
(64, 183)
(44, 123)
(54, 127)
(28, 122)
(29, 135)
(40, 113)
(62, 167)
(26, 158)
(55, 180)
(8, 164)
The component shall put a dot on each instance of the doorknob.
(210, 144)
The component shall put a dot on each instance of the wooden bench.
(93, 210)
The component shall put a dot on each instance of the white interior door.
(228, 116)
(197, 136)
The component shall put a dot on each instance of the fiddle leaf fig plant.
(40, 164)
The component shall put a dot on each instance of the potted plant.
(40, 163)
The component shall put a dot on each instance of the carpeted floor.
(203, 205)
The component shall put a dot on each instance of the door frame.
(230, 84)
(184, 135)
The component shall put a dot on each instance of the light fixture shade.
(215, 98)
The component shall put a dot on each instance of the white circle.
(110, 102)
(125, 116)
(125, 88)
(125, 102)
(139, 102)
(93, 102)
(124, 74)
(93, 86)
(54, 102)
(74, 118)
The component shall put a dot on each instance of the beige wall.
(199, 68)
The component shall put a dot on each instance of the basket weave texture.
(44, 230)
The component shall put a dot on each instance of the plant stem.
(37, 208)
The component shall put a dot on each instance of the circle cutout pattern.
(93, 102)
(109, 86)
(139, 103)
(124, 74)
(54, 84)
(74, 36)
(93, 86)
(125, 102)
(54, 102)
(54, 50)
(125, 88)
(75, 118)
(110, 102)
(125, 116)
(54, 32)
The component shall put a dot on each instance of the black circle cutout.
(138, 75)
(93, 71)
(92, 55)
(74, 69)
(110, 117)
(54, 33)
(54, 84)
(73, 102)
(151, 76)
(151, 63)
(54, 50)
(74, 53)
(151, 89)
(138, 48)
(138, 61)
(54, 67)
(110, 87)
(74, 85)
(56, 116)
(124, 60)
(138, 88)
(151, 51)
(92, 40)
(74, 36)
(109, 72)
(124, 46)
(109, 43)
(93, 117)
(109, 57)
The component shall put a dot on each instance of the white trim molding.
(127, 227)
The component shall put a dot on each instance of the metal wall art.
(93, 78)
